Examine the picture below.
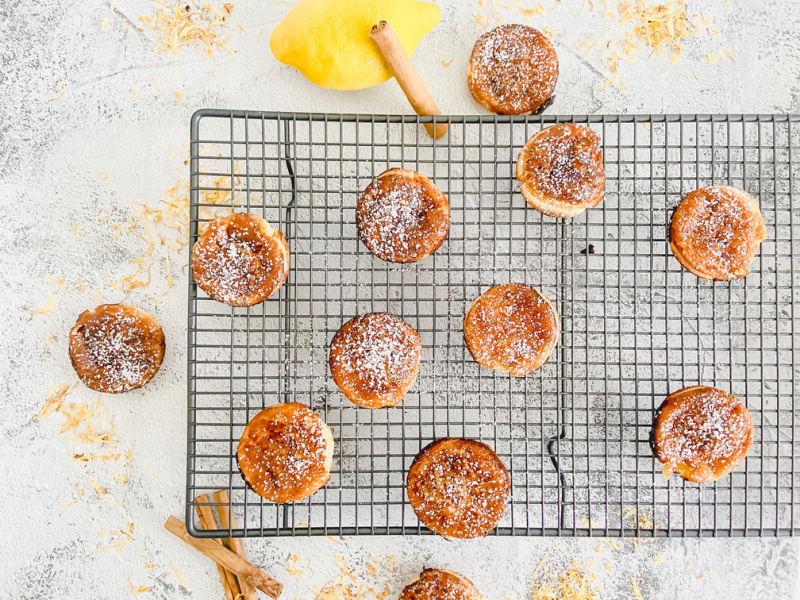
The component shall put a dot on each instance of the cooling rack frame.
(635, 325)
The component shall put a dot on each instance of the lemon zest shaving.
(51, 302)
(179, 25)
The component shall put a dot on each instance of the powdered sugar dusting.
(707, 430)
(402, 218)
(437, 584)
(458, 488)
(283, 452)
(512, 328)
(513, 69)
(564, 163)
(717, 230)
(116, 348)
(237, 263)
(375, 358)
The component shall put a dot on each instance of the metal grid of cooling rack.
(635, 325)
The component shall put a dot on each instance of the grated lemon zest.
(58, 281)
(291, 565)
(99, 489)
(575, 582)
(343, 566)
(635, 587)
(171, 214)
(655, 27)
(179, 576)
(97, 528)
(180, 25)
(139, 590)
(62, 90)
(51, 302)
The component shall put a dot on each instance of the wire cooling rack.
(635, 325)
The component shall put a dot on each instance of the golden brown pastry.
(511, 328)
(513, 70)
(440, 584)
(116, 348)
(375, 358)
(402, 216)
(716, 231)
(458, 488)
(702, 433)
(561, 170)
(286, 452)
(240, 260)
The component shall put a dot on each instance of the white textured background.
(52, 153)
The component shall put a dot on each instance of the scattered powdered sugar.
(396, 217)
(565, 163)
(400, 220)
(458, 488)
(526, 343)
(708, 426)
(513, 69)
(716, 231)
(239, 268)
(435, 584)
(512, 327)
(376, 353)
(235, 264)
(117, 349)
(283, 451)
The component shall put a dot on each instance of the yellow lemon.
(328, 40)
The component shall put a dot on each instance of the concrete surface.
(53, 149)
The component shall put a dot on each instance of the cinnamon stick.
(207, 521)
(228, 520)
(228, 559)
(406, 75)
